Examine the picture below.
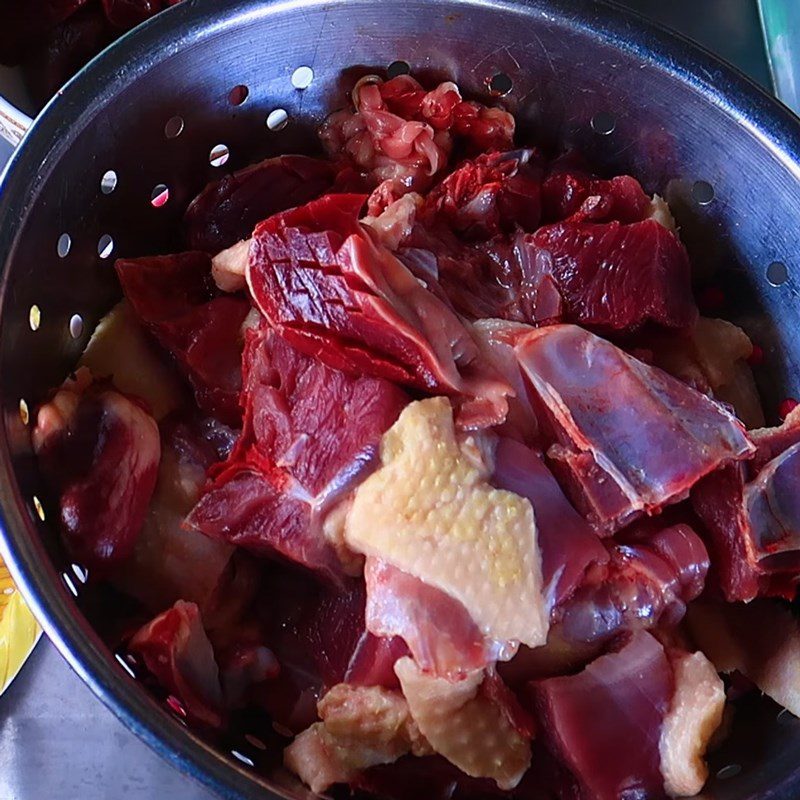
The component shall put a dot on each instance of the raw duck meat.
(439, 632)
(567, 542)
(310, 435)
(99, 452)
(760, 639)
(430, 511)
(174, 298)
(613, 276)
(694, 716)
(332, 292)
(360, 728)
(401, 133)
(26, 24)
(752, 516)
(474, 722)
(591, 720)
(175, 649)
(226, 212)
(648, 579)
(616, 425)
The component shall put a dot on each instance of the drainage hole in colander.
(76, 326)
(702, 192)
(81, 573)
(604, 122)
(777, 273)
(243, 758)
(398, 68)
(24, 413)
(302, 77)
(64, 245)
(238, 95)
(160, 195)
(108, 182)
(730, 771)
(125, 665)
(277, 119)
(255, 741)
(219, 155)
(105, 246)
(37, 504)
(500, 84)
(174, 127)
(35, 317)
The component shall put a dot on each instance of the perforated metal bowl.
(148, 113)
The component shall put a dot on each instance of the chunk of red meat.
(615, 277)
(752, 516)
(176, 650)
(574, 195)
(648, 581)
(439, 632)
(128, 14)
(332, 292)
(493, 193)
(27, 23)
(310, 435)
(227, 211)
(98, 452)
(566, 540)
(617, 424)
(174, 296)
(604, 724)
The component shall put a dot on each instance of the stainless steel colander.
(156, 112)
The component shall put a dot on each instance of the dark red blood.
(787, 406)
(128, 14)
(648, 581)
(176, 299)
(439, 632)
(26, 23)
(756, 357)
(615, 425)
(566, 540)
(493, 193)
(102, 468)
(751, 514)
(616, 277)
(227, 211)
(574, 195)
(176, 650)
(310, 435)
(333, 293)
(604, 724)
(711, 299)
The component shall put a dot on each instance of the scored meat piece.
(482, 197)
(604, 724)
(616, 425)
(176, 650)
(438, 630)
(474, 722)
(430, 511)
(614, 276)
(226, 212)
(760, 639)
(98, 451)
(173, 297)
(694, 716)
(648, 580)
(325, 285)
(361, 727)
(310, 435)
(566, 540)
(752, 515)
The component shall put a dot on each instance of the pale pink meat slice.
(465, 723)
(693, 717)
(430, 511)
(628, 439)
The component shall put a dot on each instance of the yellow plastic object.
(19, 630)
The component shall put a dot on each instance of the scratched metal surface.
(57, 740)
